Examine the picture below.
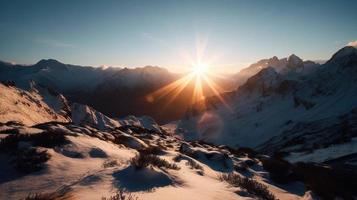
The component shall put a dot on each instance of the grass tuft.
(252, 186)
(121, 195)
(143, 160)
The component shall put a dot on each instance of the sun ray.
(164, 91)
(216, 90)
(180, 89)
(197, 96)
(199, 79)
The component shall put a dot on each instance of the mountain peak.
(294, 62)
(51, 63)
(345, 51)
(344, 56)
(264, 79)
(6, 63)
(293, 56)
(274, 59)
(48, 62)
(267, 73)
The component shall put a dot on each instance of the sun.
(199, 69)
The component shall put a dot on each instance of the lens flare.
(200, 69)
(199, 79)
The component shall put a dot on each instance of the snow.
(260, 109)
(292, 64)
(83, 114)
(81, 167)
(144, 121)
(96, 161)
(27, 108)
(325, 154)
(57, 102)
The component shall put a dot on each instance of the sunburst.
(199, 75)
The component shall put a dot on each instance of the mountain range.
(287, 132)
(291, 114)
(124, 90)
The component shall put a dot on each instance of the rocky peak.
(264, 80)
(294, 62)
(48, 62)
(345, 56)
(274, 59)
(345, 51)
(51, 63)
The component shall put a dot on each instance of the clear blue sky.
(137, 33)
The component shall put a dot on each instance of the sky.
(226, 34)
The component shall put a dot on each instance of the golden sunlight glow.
(200, 68)
(198, 81)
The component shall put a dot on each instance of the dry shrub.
(31, 160)
(50, 196)
(155, 150)
(252, 186)
(45, 139)
(121, 195)
(143, 160)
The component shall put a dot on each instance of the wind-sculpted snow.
(83, 114)
(90, 163)
(144, 121)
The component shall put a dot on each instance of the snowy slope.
(270, 103)
(25, 107)
(85, 115)
(144, 121)
(95, 156)
(56, 101)
(92, 164)
(42, 104)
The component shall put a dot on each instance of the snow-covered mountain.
(56, 75)
(41, 105)
(292, 65)
(52, 148)
(46, 156)
(271, 104)
(123, 89)
(89, 155)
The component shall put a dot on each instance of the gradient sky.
(165, 33)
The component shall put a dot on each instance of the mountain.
(61, 77)
(42, 105)
(125, 93)
(52, 148)
(124, 90)
(291, 65)
(277, 105)
(90, 156)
